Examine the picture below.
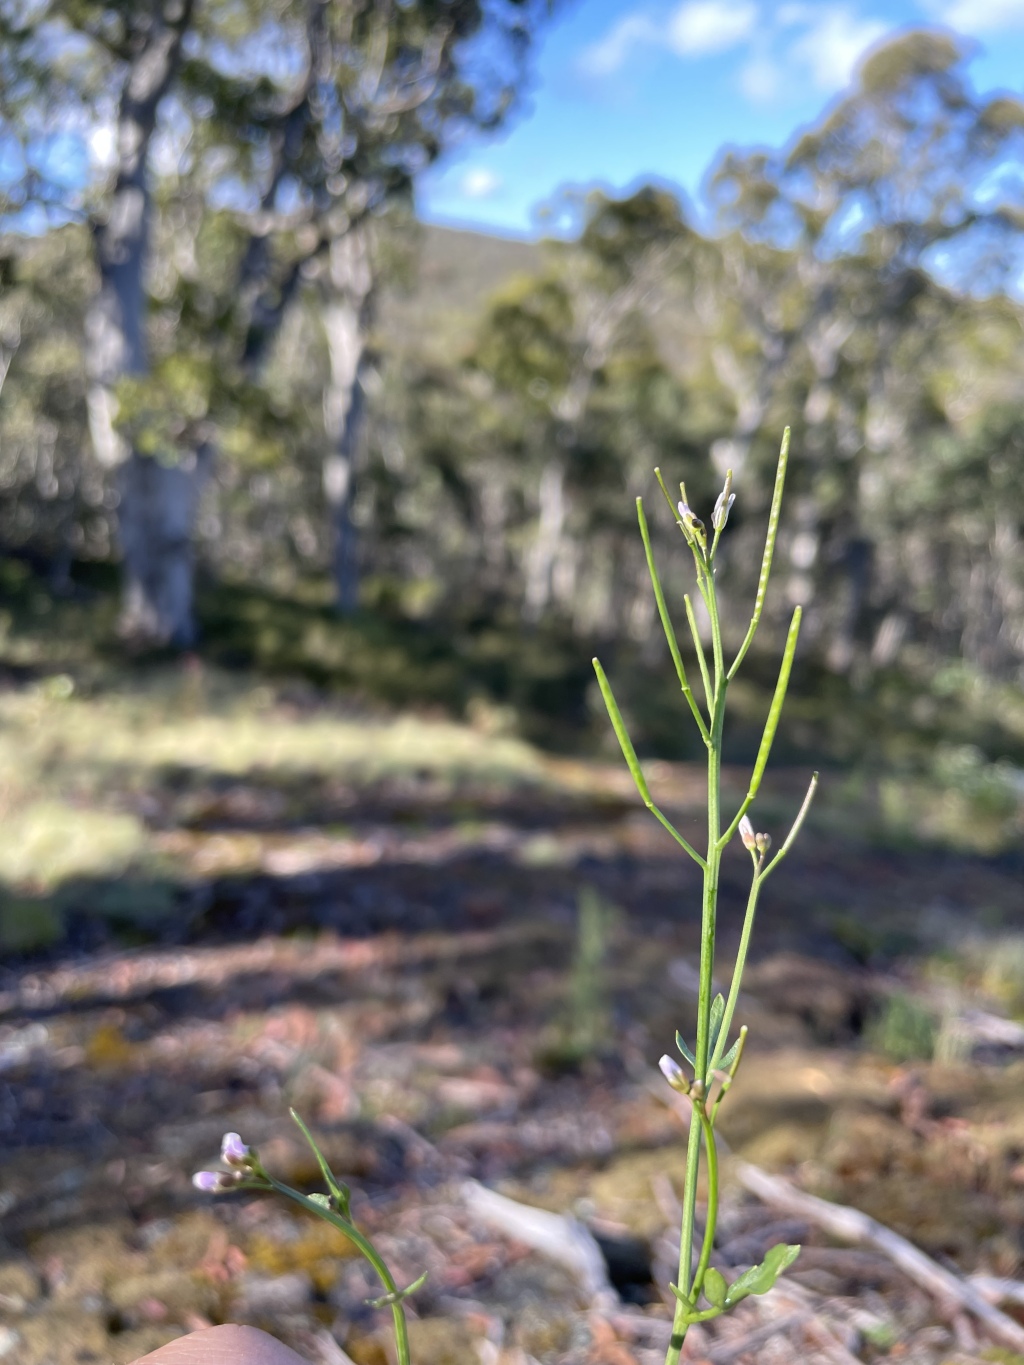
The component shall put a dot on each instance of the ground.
(460, 958)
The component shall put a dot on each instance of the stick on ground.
(850, 1225)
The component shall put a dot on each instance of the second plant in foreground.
(701, 1292)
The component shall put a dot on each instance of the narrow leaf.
(633, 763)
(729, 1057)
(760, 1278)
(681, 1045)
(717, 1012)
(339, 1191)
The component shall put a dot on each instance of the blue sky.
(625, 90)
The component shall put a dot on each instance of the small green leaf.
(729, 1057)
(760, 1278)
(681, 1045)
(715, 1288)
(717, 1015)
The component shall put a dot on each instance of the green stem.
(366, 1247)
(701, 660)
(770, 725)
(681, 1318)
(769, 550)
(666, 624)
(737, 971)
(712, 1214)
(683, 1313)
(794, 829)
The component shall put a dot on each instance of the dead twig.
(850, 1225)
(723, 1352)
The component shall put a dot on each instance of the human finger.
(229, 1344)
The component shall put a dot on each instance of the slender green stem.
(633, 763)
(367, 1248)
(666, 624)
(681, 1317)
(770, 725)
(737, 971)
(708, 1242)
(668, 496)
(769, 550)
(701, 660)
(794, 829)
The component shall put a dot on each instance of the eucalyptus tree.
(270, 134)
(552, 343)
(866, 250)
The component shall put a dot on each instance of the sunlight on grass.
(75, 771)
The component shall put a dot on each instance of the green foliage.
(905, 1031)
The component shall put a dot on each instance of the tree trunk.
(547, 543)
(157, 502)
(346, 320)
(158, 510)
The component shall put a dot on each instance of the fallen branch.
(850, 1225)
(554, 1235)
(997, 1290)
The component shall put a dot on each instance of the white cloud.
(830, 49)
(978, 16)
(702, 26)
(610, 53)
(761, 79)
(782, 47)
(480, 183)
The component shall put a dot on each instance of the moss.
(317, 1251)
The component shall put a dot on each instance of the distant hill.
(454, 273)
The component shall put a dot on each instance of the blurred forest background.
(307, 434)
(311, 519)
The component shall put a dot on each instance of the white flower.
(722, 509)
(233, 1151)
(673, 1073)
(215, 1182)
(747, 834)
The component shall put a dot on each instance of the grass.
(100, 753)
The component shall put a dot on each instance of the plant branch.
(769, 550)
(666, 624)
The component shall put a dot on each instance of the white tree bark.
(157, 501)
(346, 321)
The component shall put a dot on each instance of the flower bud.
(673, 1073)
(723, 506)
(747, 834)
(234, 1152)
(693, 527)
(215, 1182)
(763, 842)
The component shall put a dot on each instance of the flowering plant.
(701, 1292)
(712, 1061)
